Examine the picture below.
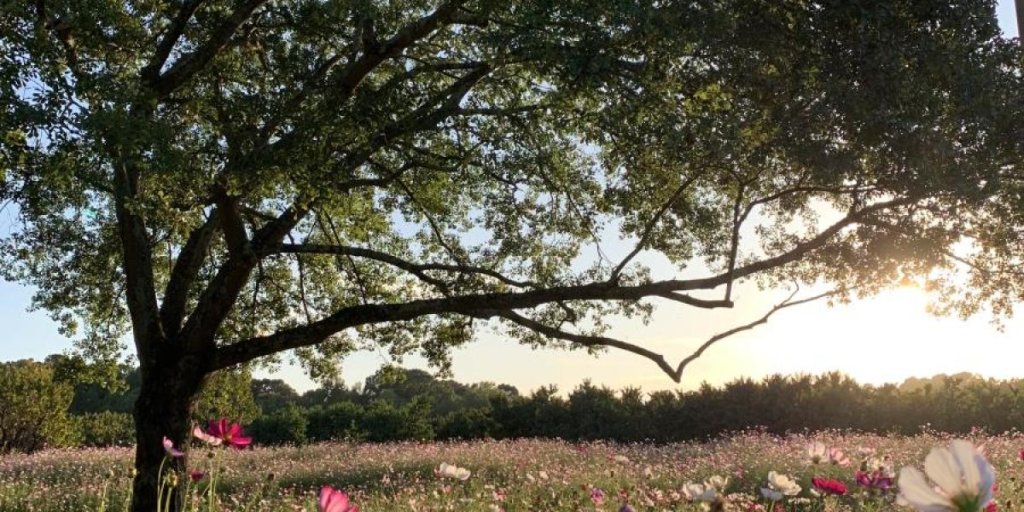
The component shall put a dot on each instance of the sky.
(887, 338)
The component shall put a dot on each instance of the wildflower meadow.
(747, 471)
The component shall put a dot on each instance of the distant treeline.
(413, 404)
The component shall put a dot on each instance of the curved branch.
(417, 269)
(491, 304)
(764, 319)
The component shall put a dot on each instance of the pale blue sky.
(885, 339)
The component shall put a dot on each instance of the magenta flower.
(875, 480)
(171, 450)
(195, 475)
(829, 486)
(597, 496)
(230, 434)
(333, 500)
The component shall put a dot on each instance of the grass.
(521, 475)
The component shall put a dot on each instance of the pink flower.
(195, 475)
(171, 450)
(201, 435)
(875, 480)
(333, 500)
(829, 486)
(597, 496)
(230, 434)
(835, 456)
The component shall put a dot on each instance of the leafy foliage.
(33, 408)
(106, 428)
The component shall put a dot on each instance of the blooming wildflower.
(699, 492)
(230, 434)
(873, 480)
(332, 500)
(717, 482)
(171, 450)
(201, 435)
(452, 471)
(195, 475)
(829, 486)
(597, 496)
(963, 478)
(836, 457)
(816, 453)
(779, 485)
(770, 494)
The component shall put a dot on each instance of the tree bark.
(163, 409)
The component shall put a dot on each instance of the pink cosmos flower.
(829, 486)
(597, 496)
(230, 434)
(333, 500)
(171, 450)
(195, 475)
(201, 435)
(874, 480)
(835, 456)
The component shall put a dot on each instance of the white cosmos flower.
(698, 492)
(717, 482)
(782, 483)
(963, 481)
(816, 452)
(770, 494)
(452, 471)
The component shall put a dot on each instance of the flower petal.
(943, 468)
(965, 454)
(915, 491)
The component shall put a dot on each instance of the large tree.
(231, 180)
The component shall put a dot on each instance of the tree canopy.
(234, 179)
(248, 177)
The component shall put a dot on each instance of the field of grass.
(523, 475)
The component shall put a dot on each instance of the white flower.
(779, 486)
(963, 480)
(882, 465)
(452, 471)
(698, 492)
(816, 452)
(717, 482)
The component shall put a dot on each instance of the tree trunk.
(163, 409)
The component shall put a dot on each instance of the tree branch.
(184, 272)
(187, 66)
(151, 73)
(764, 319)
(489, 303)
(417, 269)
(652, 223)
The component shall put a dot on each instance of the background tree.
(232, 179)
(33, 408)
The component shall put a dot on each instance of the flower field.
(747, 471)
